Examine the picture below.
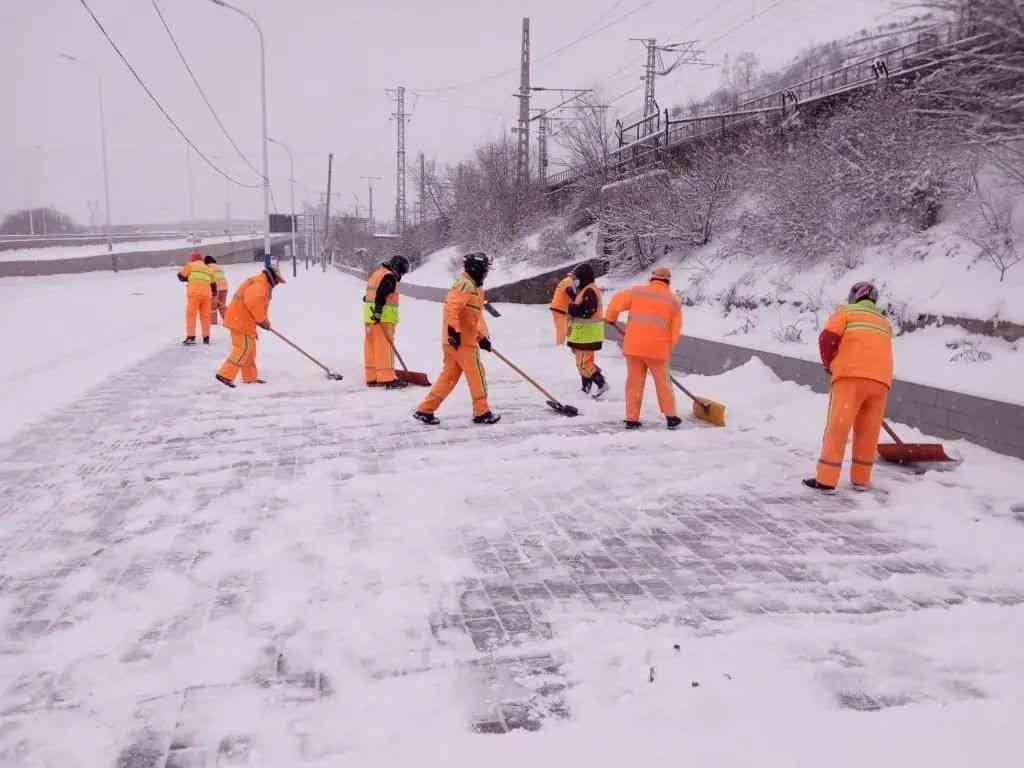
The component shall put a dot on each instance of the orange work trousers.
(636, 378)
(561, 326)
(586, 362)
(858, 404)
(242, 358)
(378, 356)
(199, 305)
(464, 360)
(218, 306)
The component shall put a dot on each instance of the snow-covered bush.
(750, 321)
(553, 246)
(968, 352)
(790, 332)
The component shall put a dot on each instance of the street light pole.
(263, 107)
(291, 172)
(103, 146)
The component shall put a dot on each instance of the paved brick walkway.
(124, 499)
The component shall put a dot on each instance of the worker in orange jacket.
(464, 333)
(219, 302)
(655, 324)
(559, 308)
(250, 307)
(586, 329)
(856, 348)
(198, 297)
(380, 317)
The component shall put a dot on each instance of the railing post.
(666, 127)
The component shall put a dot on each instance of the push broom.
(410, 377)
(330, 374)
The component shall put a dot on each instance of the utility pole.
(423, 189)
(523, 129)
(370, 228)
(650, 103)
(542, 149)
(191, 189)
(655, 67)
(400, 119)
(327, 214)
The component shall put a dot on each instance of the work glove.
(265, 325)
(182, 278)
(375, 315)
(454, 338)
(571, 293)
(485, 344)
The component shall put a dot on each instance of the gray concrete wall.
(539, 288)
(226, 253)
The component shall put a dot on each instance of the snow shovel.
(330, 374)
(899, 452)
(410, 377)
(557, 407)
(703, 409)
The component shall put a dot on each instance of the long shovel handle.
(397, 353)
(299, 349)
(522, 373)
(893, 435)
(672, 378)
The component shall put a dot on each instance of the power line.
(160, 106)
(202, 93)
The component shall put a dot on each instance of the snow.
(284, 574)
(82, 251)
(934, 273)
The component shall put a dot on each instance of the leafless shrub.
(968, 352)
(790, 332)
(992, 229)
(751, 320)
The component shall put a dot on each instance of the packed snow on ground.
(82, 251)
(267, 575)
(520, 260)
(771, 304)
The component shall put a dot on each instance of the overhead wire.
(160, 106)
(202, 93)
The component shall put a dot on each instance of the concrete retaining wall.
(539, 288)
(226, 253)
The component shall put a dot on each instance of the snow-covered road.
(299, 574)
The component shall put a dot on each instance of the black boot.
(396, 384)
(225, 382)
(632, 424)
(602, 385)
(486, 418)
(189, 341)
(206, 339)
(587, 384)
(426, 418)
(813, 483)
(673, 422)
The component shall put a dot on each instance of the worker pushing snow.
(655, 324)
(560, 307)
(856, 348)
(198, 297)
(586, 328)
(250, 307)
(219, 300)
(464, 333)
(380, 319)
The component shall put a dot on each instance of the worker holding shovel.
(249, 308)
(380, 316)
(586, 329)
(856, 348)
(655, 324)
(463, 333)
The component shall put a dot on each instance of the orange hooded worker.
(586, 328)
(380, 316)
(249, 308)
(219, 303)
(856, 348)
(464, 333)
(198, 297)
(655, 324)
(560, 307)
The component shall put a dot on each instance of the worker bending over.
(655, 324)
(586, 328)
(856, 348)
(463, 334)
(250, 307)
(198, 297)
(380, 316)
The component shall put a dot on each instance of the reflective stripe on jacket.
(865, 346)
(389, 312)
(219, 278)
(655, 320)
(587, 332)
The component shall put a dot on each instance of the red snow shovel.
(410, 377)
(899, 452)
(330, 374)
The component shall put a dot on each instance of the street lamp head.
(68, 57)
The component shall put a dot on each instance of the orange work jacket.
(655, 320)
(463, 311)
(865, 345)
(249, 306)
(560, 300)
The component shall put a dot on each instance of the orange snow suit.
(856, 347)
(249, 307)
(378, 355)
(655, 325)
(463, 312)
(559, 307)
(199, 295)
(220, 300)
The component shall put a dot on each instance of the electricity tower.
(370, 228)
(400, 118)
(686, 53)
(523, 129)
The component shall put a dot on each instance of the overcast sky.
(330, 62)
